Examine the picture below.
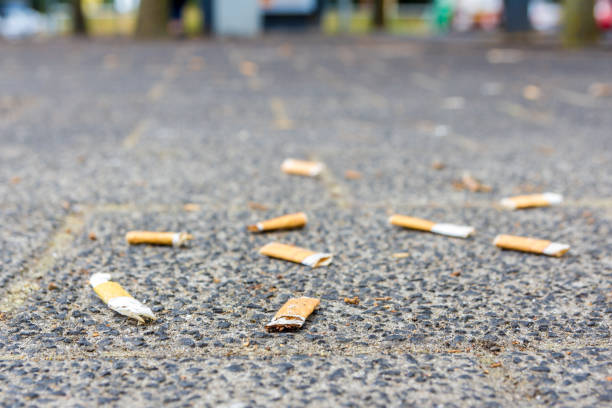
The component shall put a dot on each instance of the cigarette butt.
(296, 254)
(474, 185)
(532, 200)
(118, 299)
(452, 230)
(600, 90)
(537, 246)
(293, 314)
(352, 301)
(192, 207)
(176, 239)
(302, 167)
(257, 206)
(437, 165)
(352, 175)
(289, 221)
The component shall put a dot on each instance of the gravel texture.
(99, 138)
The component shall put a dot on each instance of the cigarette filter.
(293, 314)
(537, 246)
(302, 167)
(118, 299)
(532, 200)
(289, 221)
(474, 185)
(296, 254)
(176, 239)
(451, 230)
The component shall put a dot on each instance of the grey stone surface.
(105, 137)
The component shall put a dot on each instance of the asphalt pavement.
(99, 138)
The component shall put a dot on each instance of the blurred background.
(574, 22)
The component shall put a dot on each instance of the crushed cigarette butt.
(452, 230)
(537, 246)
(352, 175)
(532, 92)
(532, 200)
(248, 68)
(257, 206)
(118, 299)
(352, 301)
(400, 255)
(437, 165)
(293, 314)
(453, 103)
(504, 56)
(289, 221)
(600, 90)
(386, 298)
(92, 236)
(176, 239)
(470, 183)
(192, 207)
(496, 365)
(302, 167)
(296, 254)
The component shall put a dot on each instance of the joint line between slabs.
(25, 282)
(279, 111)
(466, 350)
(133, 137)
(158, 89)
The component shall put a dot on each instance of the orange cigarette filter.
(288, 221)
(293, 313)
(536, 246)
(157, 238)
(296, 254)
(452, 230)
(302, 167)
(532, 200)
(118, 299)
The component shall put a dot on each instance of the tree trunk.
(79, 24)
(579, 26)
(378, 14)
(38, 5)
(152, 18)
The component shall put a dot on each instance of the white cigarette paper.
(302, 167)
(118, 299)
(532, 200)
(451, 230)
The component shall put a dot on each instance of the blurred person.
(516, 15)
(603, 14)
(208, 23)
(175, 26)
